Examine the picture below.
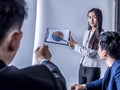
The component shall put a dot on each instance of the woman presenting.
(89, 63)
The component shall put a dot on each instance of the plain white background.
(65, 14)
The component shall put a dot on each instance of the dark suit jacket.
(38, 77)
(112, 84)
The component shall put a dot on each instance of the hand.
(71, 42)
(78, 87)
(42, 52)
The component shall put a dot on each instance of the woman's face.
(92, 19)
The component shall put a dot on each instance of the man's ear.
(104, 52)
(15, 41)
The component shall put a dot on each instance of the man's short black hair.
(110, 41)
(12, 14)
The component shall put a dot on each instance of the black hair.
(12, 14)
(93, 44)
(110, 41)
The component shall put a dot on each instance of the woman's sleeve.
(85, 51)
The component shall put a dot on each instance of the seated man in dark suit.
(109, 51)
(45, 76)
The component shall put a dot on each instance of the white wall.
(66, 14)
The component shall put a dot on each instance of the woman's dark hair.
(93, 44)
(110, 41)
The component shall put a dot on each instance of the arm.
(43, 56)
(95, 85)
(81, 49)
(85, 51)
(56, 72)
(53, 68)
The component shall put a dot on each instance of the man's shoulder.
(116, 68)
(34, 71)
(117, 63)
(37, 76)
